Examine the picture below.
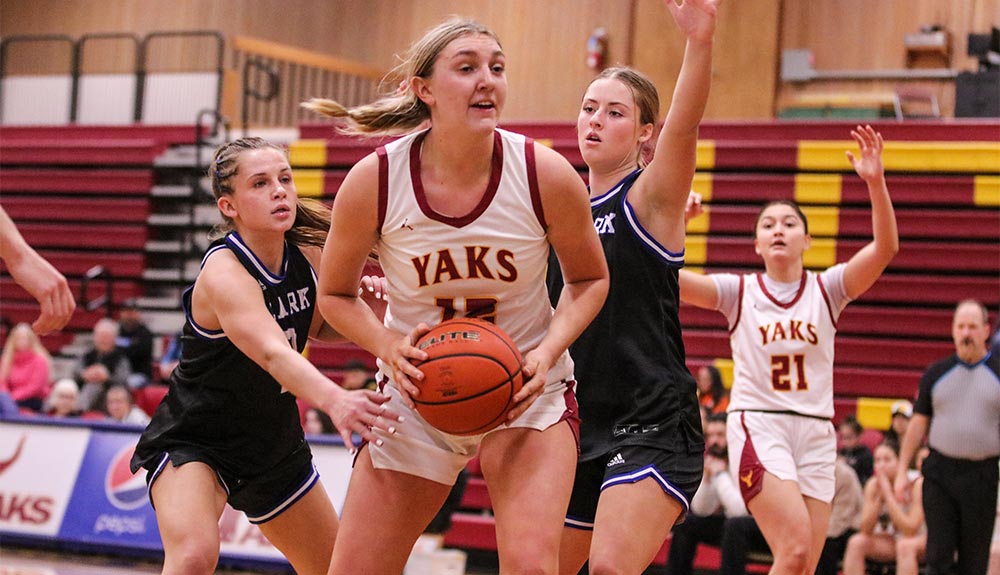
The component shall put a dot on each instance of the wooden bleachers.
(81, 196)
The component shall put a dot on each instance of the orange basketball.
(471, 374)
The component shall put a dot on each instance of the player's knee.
(191, 558)
(603, 566)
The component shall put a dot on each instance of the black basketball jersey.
(222, 405)
(633, 385)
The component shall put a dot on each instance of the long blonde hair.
(312, 218)
(399, 110)
(7, 358)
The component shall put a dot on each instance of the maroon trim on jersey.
(739, 308)
(572, 413)
(826, 299)
(802, 290)
(751, 472)
(536, 197)
(383, 185)
(496, 169)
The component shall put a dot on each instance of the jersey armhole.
(536, 196)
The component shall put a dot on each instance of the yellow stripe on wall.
(307, 153)
(725, 367)
(695, 250)
(821, 254)
(702, 184)
(875, 412)
(824, 222)
(700, 224)
(309, 183)
(905, 156)
(986, 190)
(706, 155)
(818, 188)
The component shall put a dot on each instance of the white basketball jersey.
(783, 351)
(489, 263)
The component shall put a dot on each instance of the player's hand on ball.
(536, 367)
(403, 371)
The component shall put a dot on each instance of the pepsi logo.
(124, 490)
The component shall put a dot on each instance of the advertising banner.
(38, 468)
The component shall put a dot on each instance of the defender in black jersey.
(641, 443)
(228, 430)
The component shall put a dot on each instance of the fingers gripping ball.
(471, 374)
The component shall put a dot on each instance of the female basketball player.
(782, 325)
(641, 454)
(463, 215)
(228, 430)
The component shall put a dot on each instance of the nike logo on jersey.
(616, 460)
(605, 224)
(748, 478)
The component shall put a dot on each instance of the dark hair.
(718, 390)
(325, 423)
(893, 445)
(789, 203)
(716, 418)
(852, 422)
(312, 218)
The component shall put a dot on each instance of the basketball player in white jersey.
(463, 216)
(782, 325)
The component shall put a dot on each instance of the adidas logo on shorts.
(616, 460)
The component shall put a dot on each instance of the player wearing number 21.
(782, 325)
(463, 215)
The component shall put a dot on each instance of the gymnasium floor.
(22, 561)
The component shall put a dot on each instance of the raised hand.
(696, 18)
(868, 164)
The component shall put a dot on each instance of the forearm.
(353, 320)
(578, 305)
(885, 235)
(911, 441)
(690, 95)
(296, 374)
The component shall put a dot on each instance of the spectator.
(137, 341)
(711, 393)
(104, 365)
(171, 357)
(316, 422)
(357, 376)
(958, 402)
(902, 411)
(890, 530)
(717, 499)
(24, 368)
(120, 406)
(848, 499)
(64, 399)
(858, 455)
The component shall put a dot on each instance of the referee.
(959, 400)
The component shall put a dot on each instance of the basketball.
(471, 374)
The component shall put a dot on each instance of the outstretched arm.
(660, 194)
(226, 297)
(867, 265)
(37, 276)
